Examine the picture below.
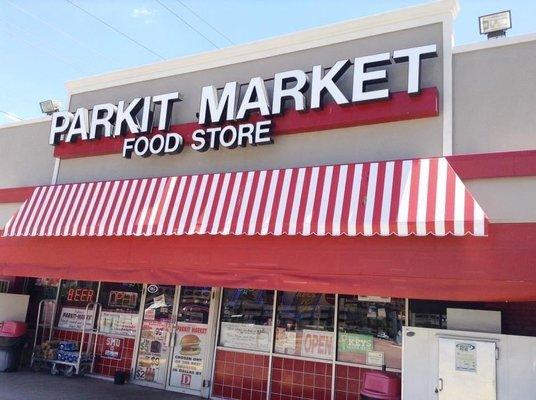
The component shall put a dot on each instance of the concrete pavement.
(27, 385)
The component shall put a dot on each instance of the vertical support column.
(334, 350)
(272, 343)
(215, 347)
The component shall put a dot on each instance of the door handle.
(439, 386)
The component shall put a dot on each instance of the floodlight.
(495, 25)
(49, 107)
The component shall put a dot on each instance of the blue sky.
(48, 42)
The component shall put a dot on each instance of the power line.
(205, 21)
(186, 23)
(59, 30)
(115, 29)
(40, 41)
(40, 48)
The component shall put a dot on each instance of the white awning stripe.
(414, 197)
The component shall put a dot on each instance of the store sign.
(224, 114)
(317, 344)
(188, 362)
(245, 336)
(113, 348)
(73, 318)
(355, 343)
(118, 323)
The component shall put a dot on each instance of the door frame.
(209, 352)
(141, 315)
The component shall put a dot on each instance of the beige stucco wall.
(408, 139)
(6, 211)
(506, 199)
(494, 108)
(25, 155)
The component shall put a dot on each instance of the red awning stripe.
(412, 197)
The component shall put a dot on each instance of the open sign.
(317, 344)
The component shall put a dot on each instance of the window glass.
(73, 299)
(370, 330)
(304, 324)
(120, 306)
(246, 319)
(194, 304)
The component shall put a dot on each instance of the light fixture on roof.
(496, 24)
(49, 107)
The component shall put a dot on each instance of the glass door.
(155, 337)
(193, 343)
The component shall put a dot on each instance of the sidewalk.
(42, 386)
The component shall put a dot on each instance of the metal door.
(193, 341)
(157, 322)
(467, 369)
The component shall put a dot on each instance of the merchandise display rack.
(86, 345)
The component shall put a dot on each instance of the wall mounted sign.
(224, 115)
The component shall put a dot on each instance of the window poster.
(118, 323)
(355, 343)
(245, 336)
(73, 318)
(285, 342)
(191, 344)
(153, 351)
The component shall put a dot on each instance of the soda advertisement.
(191, 343)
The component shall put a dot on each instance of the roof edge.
(491, 43)
(23, 122)
(340, 32)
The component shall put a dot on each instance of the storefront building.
(274, 219)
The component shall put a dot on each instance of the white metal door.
(467, 370)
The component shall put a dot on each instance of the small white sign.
(465, 356)
(375, 358)
(73, 318)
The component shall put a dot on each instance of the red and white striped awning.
(412, 197)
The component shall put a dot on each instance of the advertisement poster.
(465, 357)
(355, 343)
(113, 348)
(245, 336)
(191, 343)
(285, 341)
(317, 344)
(73, 318)
(118, 323)
(152, 355)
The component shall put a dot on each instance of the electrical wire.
(59, 30)
(40, 48)
(205, 21)
(115, 29)
(40, 41)
(186, 23)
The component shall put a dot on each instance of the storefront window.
(304, 324)
(73, 299)
(120, 306)
(370, 330)
(246, 319)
